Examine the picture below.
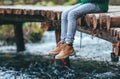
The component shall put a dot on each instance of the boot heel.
(73, 54)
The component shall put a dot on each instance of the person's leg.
(64, 21)
(76, 13)
(71, 29)
(64, 25)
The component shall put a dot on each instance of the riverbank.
(43, 67)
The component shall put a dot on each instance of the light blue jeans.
(68, 19)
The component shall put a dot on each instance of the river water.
(90, 48)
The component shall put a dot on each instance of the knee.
(72, 15)
(64, 15)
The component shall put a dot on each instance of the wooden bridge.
(102, 25)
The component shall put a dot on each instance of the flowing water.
(92, 62)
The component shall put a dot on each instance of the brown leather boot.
(68, 50)
(57, 49)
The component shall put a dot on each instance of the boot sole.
(72, 54)
(52, 54)
(66, 56)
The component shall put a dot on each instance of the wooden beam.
(19, 37)
(105, 20)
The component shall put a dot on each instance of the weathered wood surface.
(102, 25)
(35, 13)
(30, 13)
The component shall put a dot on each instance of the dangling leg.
(71, 29)
(64, 21)
(64, 26)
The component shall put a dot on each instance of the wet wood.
(98, 33)
(116, 33)
(105, 23)
(116, 48)
(115, 21)
(19, 37)
(103, 20)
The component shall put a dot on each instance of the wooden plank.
(103, 20)
(98, 33)
(51, 8)
(50, 13)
